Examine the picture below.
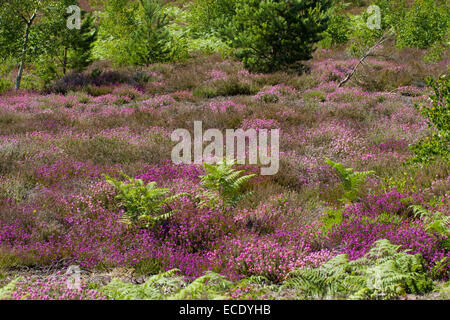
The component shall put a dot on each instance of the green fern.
(118, 290)
(383, 273)
(226, 180)
(351, 180)
(436, 222)
(6, 291)
(144, 204)
(211, 286)
(169, 286)
(155, 288)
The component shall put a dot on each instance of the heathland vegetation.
(359, 208)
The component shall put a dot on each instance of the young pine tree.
(151, 38)
(134, 32)
(274, 35)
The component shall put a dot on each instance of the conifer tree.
(274, 34)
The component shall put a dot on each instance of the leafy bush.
(436, 52)
(231, 86)
(424, 24)
(144, 204)
(362, 38)
(383, 273)
(273, 35)
(213, 17)
(7, 64)
(5, 85)
(134, 32)
(438, 118)
(338, 31)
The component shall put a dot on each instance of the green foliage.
(402, 182)
(167, 286)
(438, 118)
(149, 40)
(442, 291)
(362, 38)
(154, 288)
(351, 180)
(148, 267)
(208, 287)
(226, 180)
(331, 219)
(434, 221)
(67, 49)
(436, 52)
(255, 288)
(338, 31)
(82, 44)
(186, 40)
(134, 32)
(6, 291)
(24, 30)
(144, 205)
(5, 85)
(383, 273)
(212, 17)
(274, 35)
(440, 268)
(232, 86)
(424, 24)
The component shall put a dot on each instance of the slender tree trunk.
(65, 61)
(22, 60)
(24, 49)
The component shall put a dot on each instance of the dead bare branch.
(368, 53)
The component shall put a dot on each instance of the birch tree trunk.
(24, 50)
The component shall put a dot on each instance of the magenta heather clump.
(386, 216)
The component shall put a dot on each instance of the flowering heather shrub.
(225, 106)
(330, 70)
(216, 75)
(88, 232)
(66, 171)
(386, 216)
(196, 229)
(55, 205)
(260, 124)
(182, 95)
(274, 93)
(168, 171)
(159, 101)
(271, 256)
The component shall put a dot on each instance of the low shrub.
(383, 273)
